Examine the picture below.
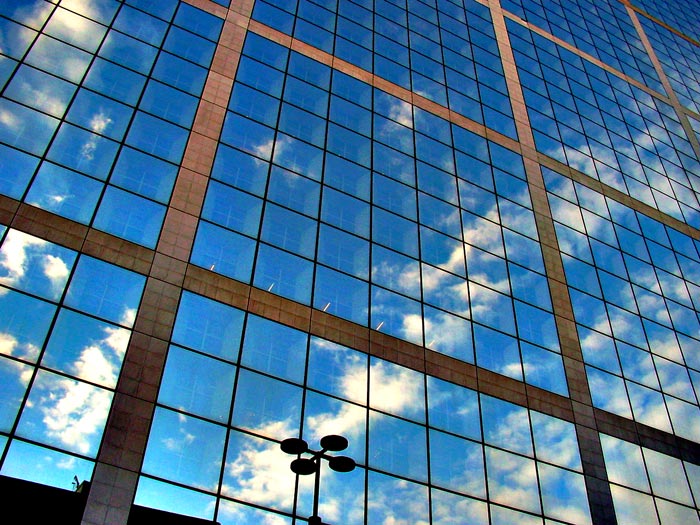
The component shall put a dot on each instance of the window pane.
(197, 384)
(44, 419)
(275, 349)
(208, 326)
(184, 449)
(104, 290)
(130, 217)
(264, 405)
(86, 348)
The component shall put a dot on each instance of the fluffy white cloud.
(20, 251)
(73, 412)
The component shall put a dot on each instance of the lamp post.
(312, 465)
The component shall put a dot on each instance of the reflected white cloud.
(555, 441)
(100, 362)
(450, 509)
(9, 119)
(395, 389)
(396, 502)
(402, 112)
(98, 124)
(13, 257)
(42, 97)
(264, 150)
(564, 495)
(20, 251)
(402, 277)
(512, 480)
(74, 412)
(68, 412)
(9, 345)
(260, 471)
(608, 393)
(33, 14)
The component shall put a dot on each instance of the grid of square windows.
(406, 224)
(444, 51)
(680, 14)
(605, 127)
(649, 487)
(274, 382)
(680, 60)
(633, 287)
(97, 100)
(604, 30)
(65, 322)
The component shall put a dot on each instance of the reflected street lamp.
(307, 466)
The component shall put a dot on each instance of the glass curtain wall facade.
(464, 234)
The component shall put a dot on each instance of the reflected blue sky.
(393, 219)
(401, 454)
(63, 338)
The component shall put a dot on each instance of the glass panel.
(633, 508)
(234, 513)
(284, 274)
(130, 217)
(667, 477)
(86, 348)
(45, 466)
(341, 295)
(453, 408)
(34, 265)
(24, 323)
(266, 406)
(396, 389)
(512, 480)
(65, 413)
(275, 349)
(213, 247)
(257, 471)
(105, 291)
(208, 326)
(59, 58)
(325, 416)
(506, 425)
(75, 29)
(387, 497)
(184, 449)
(15, 378)
(337, 370)
(564, 495)
(457, 464)
(171, 498)
(397, 446)
(144, 174)
(624, 463)
(197, 384)
(25, 128)
(449, 509)
(40, 90)
(83, 151)
(448, 334)
(555, 441)
(16, 170)
(64, 192)
(232, 208)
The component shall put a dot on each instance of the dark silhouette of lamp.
(312, 465)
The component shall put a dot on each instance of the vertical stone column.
(599, 495)
(124, 443)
